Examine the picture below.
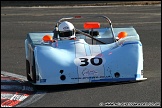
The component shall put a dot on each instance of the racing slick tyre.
(33, 71)
(28, 71)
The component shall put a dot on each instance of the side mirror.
(47, 38)
(122, 35)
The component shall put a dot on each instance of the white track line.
(14, 75)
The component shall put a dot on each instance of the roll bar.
(80, 17)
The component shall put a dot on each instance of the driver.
(66, 31)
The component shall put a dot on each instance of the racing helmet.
(66, 30)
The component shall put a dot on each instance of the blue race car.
(68, 55)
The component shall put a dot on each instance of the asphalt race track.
(16, 22)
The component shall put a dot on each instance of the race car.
(67, 55)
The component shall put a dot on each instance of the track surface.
(17, 22)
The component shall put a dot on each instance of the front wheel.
(34, 71)
(28, 71)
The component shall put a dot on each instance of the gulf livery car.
(97, 54)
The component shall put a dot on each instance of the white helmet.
(66, 30)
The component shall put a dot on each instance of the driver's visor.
(66, 33)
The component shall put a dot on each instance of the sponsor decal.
(110, 53)
(87, 72)
(42, 80)
(92, 77)
(66, 27)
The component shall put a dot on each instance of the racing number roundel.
(89, 60)
(89, 67)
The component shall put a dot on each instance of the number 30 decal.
(85, 62)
